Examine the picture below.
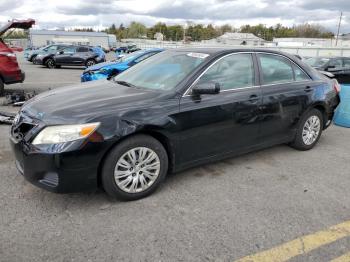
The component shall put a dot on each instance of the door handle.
(308, 89)
(253, 99)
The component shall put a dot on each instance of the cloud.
(102, 13)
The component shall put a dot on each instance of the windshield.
(317, 61)
(162, 71)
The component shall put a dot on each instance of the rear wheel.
(2, 88)
(90, 62)
(309, 130)
(134, 168)
(50, 63)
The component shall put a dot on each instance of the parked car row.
(112, 68)
(337, 67)
(57, 55)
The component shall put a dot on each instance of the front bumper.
(91, 76)
(38, 60)
(73, 171)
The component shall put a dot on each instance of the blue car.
(109, 69)
(99, 51)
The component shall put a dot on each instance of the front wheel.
(309, 130)
(50, 63)
(134, 168)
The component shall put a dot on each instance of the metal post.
(341, 16)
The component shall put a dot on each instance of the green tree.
(136, 30)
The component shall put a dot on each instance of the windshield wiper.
(124, 83)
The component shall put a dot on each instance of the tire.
(32, 59)
(305, 140)
(50, 63)
(2, 88)
(129, 172)
(90, 62)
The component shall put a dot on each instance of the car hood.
(87, 102)
(106, 65)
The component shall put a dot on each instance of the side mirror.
(60, 52)
(208, 88)
(112, 74)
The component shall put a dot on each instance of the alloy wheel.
(137, 170)
(311, 130)
(50, 63)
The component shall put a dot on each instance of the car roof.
(216, 51)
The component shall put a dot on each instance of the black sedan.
(70, 56)
(339, 67)
(178, 109)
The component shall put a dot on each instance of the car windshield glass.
(317, 62)
(162, 71)
(130, 57)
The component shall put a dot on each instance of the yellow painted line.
(343, 258)
(301, 245)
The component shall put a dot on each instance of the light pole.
(341, 16)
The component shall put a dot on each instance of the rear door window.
(300, 75)
(275, 69)
(82, 49)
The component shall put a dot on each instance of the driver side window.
(69, 50)
(231, 72)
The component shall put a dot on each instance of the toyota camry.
(175, 110)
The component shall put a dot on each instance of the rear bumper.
(14, 77)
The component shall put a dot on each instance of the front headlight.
(102, 71)
(64, 133)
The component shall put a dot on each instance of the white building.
(112, 41)
(237, 39)
(158, 36)
(46, 37)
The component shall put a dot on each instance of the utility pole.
(341, 17)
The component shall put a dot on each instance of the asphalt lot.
(218, 212)
(39, 78)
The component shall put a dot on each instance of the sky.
(53, 14)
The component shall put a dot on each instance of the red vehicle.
(10, 72)
(16, 48)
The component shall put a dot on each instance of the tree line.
(198, 32)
